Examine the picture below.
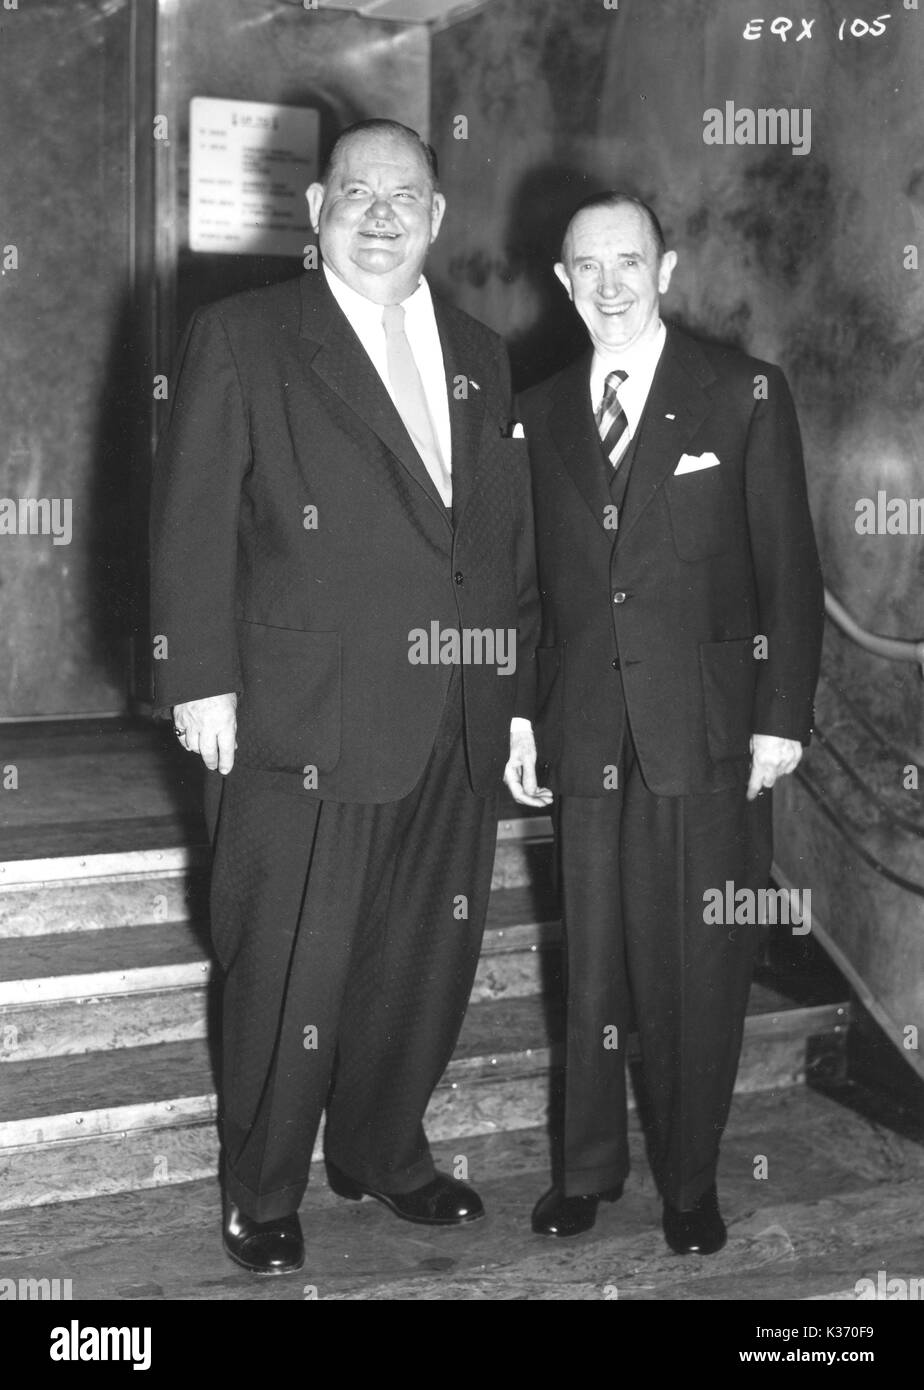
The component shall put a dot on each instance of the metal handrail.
(893, 648)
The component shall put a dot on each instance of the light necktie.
(611, 419)
(410, 399)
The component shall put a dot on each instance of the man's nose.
(610, 282)
(381, 209)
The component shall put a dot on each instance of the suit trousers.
(634, 870)
(349, 935)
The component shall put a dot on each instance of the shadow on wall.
(540, 208)
(115, 543)
(541, 205)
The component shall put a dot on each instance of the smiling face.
(377, 215)
(614, 275)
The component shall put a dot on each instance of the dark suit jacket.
(703, 563)
(277, 409)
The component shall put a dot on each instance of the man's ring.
(180, 733)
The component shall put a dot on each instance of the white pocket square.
(692, 463)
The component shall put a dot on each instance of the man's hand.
(208, 727)
(520, 772)
(771, 758)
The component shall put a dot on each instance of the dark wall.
(344, 67)
(66, 353)
(97, 211)
(797, 258)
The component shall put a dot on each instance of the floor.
(840, 1202)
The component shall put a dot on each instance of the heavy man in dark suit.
(340, 520)
(677, 664)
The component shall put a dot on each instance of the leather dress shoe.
(699, 1230)
(264, 1247)
(558, 1215)
(443, 1201)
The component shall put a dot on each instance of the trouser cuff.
(263, 1206)
(396, 1184)
(584, 1182)
(685, 1195)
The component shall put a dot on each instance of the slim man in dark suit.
(677, 664)
(336, 487)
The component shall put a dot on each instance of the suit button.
(619, 597)
(459, 577)
(615, 663)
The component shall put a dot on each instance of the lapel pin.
(670, 417)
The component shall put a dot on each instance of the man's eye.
(354, 191)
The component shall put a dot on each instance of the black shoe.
(443, 1201)
(558, 1215)
(263, 1247)
(697, 1231)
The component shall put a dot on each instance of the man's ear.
(564, 277)
(437, 212)
(666, 270)
(315, 197)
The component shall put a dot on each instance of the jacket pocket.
(729, 677)
(289, 711)
(701, 513)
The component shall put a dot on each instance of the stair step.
(139, 1084)
(92, 892)
(498, 1037)
(52, 965)
(105, 999)
(101, 1023)
(139, 1117)
(68, 966)
(103, 901)
(154, 984)
(139, 1160)
(511, 909)
(100, 1085)
(155, 987)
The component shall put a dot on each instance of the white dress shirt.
(365, 318)
(640, 363)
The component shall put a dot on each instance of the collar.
(639, 364)
(357, 307)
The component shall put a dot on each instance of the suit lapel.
(336, 355)
(676, 407)
(466, 411)
(574, 431)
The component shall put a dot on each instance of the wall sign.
(249, 165)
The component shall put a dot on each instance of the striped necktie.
(410, 400)
(611, 419)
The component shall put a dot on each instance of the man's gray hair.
(379, 125)
(614, 198)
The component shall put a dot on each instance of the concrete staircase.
(106, 996)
